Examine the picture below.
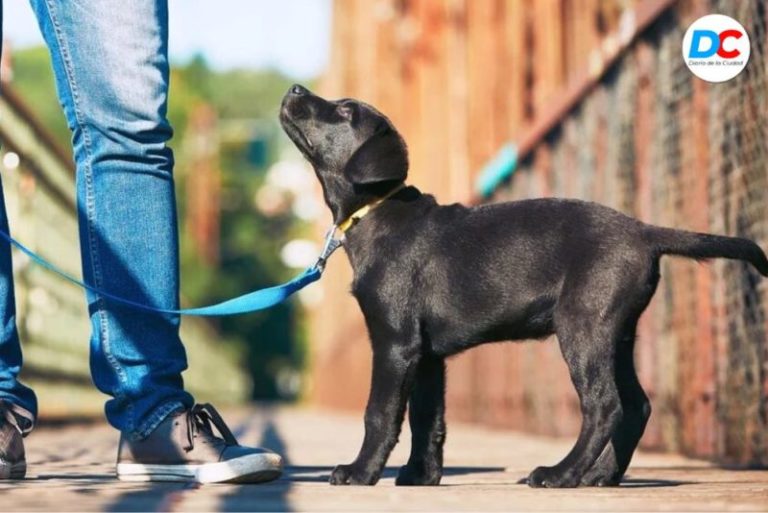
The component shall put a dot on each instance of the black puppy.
(434, 280)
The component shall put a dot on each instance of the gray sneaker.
(184, 448)
(13, 425)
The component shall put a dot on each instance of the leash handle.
(251, 302)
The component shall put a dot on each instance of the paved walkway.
(71, 469)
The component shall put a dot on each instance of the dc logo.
(716, 44)
(716, 48)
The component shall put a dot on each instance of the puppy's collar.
(362, 212)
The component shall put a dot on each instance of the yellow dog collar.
(362, 212)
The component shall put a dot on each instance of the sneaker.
(184, 448)
(13, 425)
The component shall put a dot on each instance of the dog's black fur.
(434, 280)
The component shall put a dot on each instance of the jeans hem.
(155, 419)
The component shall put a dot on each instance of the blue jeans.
(110, 61)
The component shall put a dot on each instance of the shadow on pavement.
(629, 482)
(164, 496)
(652, 483)
(96, 478)
(272, 496)
(298, 473)
(156, 497)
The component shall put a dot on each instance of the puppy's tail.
(703, 245)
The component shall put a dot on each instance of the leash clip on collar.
(331, 244)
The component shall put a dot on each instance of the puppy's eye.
(346, 111)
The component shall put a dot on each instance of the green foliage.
(249, 94)
(33, 80)
(250, 245)
(250, 242)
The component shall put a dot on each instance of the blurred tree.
(250, 242)
(33, 80)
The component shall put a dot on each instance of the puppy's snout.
(294, 102)
(298, 90)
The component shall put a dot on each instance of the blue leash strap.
(251, 302)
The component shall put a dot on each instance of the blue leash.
(251, 302)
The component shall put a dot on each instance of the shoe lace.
(22, 424)
(201, 419)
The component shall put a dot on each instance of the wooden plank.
(648, 334)
(389, 69)
(434, 117)
(552, 112)
(513, 73)
(704, 352)
(460, 181)
(482, 74)
(548, 51)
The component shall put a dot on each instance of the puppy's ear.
(382, 158)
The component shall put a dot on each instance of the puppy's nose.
(298, 90)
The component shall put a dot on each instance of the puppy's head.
(356, 152)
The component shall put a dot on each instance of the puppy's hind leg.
(613, 462)
(590, 360)
(426, 414)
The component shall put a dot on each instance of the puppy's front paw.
(413, 475)
(350, 475)
(551, 477)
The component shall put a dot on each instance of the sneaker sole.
(14, 471)
(253, 468)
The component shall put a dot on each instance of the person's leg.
(111, 67)
(11, 390)
(18, 404)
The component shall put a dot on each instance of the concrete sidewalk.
(71, 469)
